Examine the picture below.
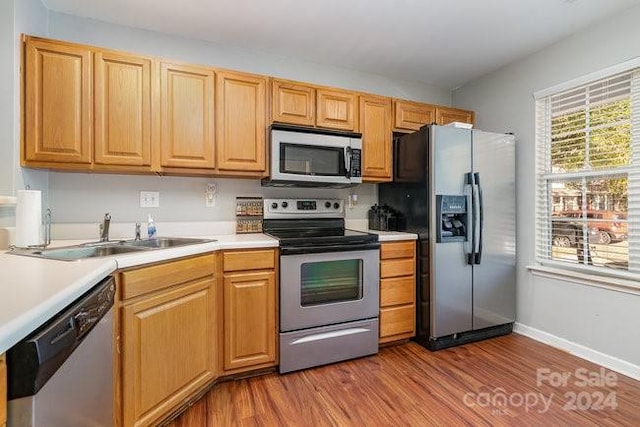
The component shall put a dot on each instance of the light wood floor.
(485, 383)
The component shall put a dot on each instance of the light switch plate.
(149, 199)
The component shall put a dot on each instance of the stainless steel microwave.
(306, 157)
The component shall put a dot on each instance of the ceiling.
(446, 43)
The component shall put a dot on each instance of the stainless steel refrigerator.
(456, 190)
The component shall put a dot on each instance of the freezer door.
(450, 287)
(494, 277)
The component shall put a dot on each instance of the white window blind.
(588, 176)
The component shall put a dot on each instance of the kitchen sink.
(163, 242)
(102, 249)
(81, 252)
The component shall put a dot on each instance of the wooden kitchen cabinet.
(187, 111)
(411, 116)
(241, 108)
(249, 315)
(445, 115)
(167, 337)
(122, 109)
(293, 103)
(397, 291)
(307, 105)
(337, 109)
(375, 125)
(58, 105)
(3, 390)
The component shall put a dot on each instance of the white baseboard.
(618, 365)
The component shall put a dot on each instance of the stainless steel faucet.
(137, 231)
(104, 228)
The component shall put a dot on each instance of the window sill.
(604, 282)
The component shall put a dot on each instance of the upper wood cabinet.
(446, 115)
(187, 124)
(58, 103)
(336, 109)
(307, 105)
(241, 108)
(92, 109)
(375, 125)
(293, 103)
(122, 109)
(411, 116)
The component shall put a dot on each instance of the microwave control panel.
(356, 163)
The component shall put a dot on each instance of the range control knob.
(274, 205)
(285, 204)
(336, 205)
(327, 205)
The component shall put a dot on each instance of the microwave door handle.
(347, 162)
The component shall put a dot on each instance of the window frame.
(543, 180)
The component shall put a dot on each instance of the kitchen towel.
(28, 218)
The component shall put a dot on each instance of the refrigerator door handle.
(480, 219)
(469, 243)
(476, 221)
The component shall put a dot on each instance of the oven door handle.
(328, 248)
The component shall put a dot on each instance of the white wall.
(16, 17)
(84, 198)
(603, 320)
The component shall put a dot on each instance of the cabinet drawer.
(397, 320)
(397, 250)
(398, 290)
(3, 390)
(397, 267)
(249, 260)
(160, 276)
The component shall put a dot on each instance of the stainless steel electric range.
(329, 283)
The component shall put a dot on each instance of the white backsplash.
(79, 202)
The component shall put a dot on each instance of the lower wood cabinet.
(168, 345)
(249, 310)
(3, 390)
(397, 291)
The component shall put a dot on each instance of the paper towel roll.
(28, 218)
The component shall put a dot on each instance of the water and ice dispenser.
(452, 214)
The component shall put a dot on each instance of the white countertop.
(393, 236)
(32, 290)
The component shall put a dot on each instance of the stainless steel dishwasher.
(62, 374)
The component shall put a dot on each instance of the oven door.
(328, 286)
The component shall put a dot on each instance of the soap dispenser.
(151, 228)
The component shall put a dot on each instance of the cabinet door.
(187, 130)
(58, 103)
(123, 109)
(375, 125)
(446, 115)
(168, 350)
(412, 115)
(336, 109)
(3, 390)
(249, 320)
(293, 103)
(241, 109)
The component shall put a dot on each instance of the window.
(588, 175)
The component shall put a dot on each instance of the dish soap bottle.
(151, 228)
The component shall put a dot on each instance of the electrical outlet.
(210, 194)
(149, 199)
